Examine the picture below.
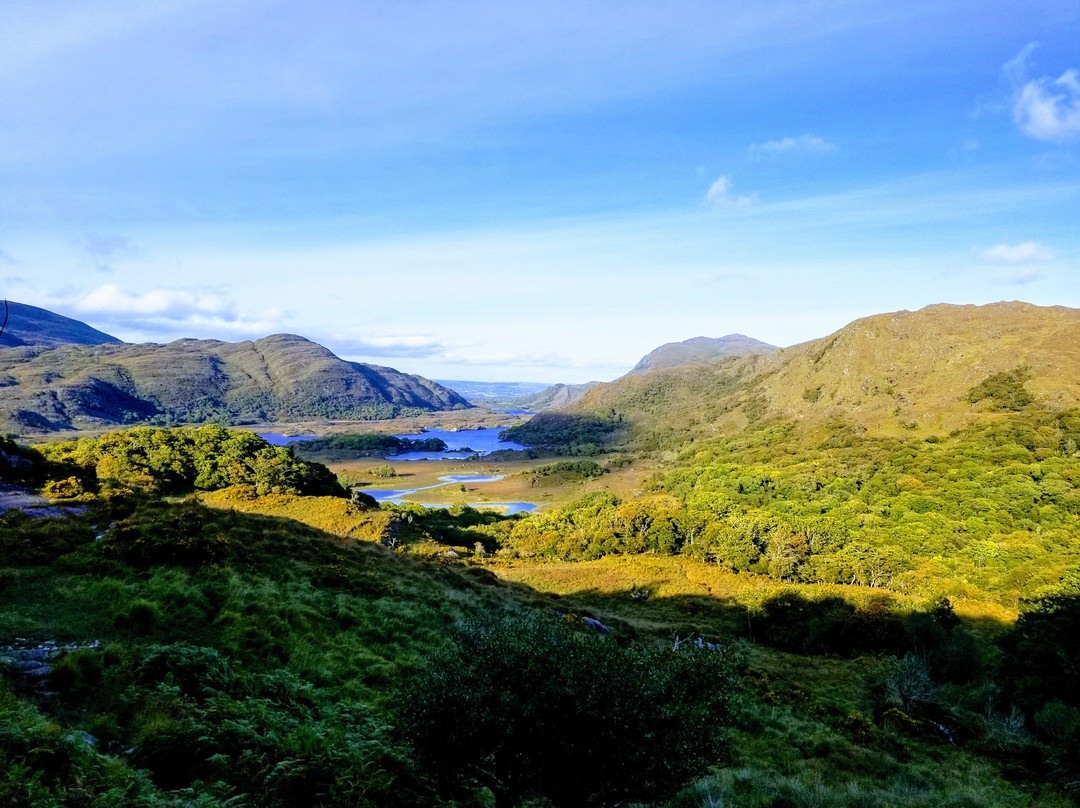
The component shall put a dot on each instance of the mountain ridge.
(700, 349)
(278, 377)
(881, 374)
(33, 326)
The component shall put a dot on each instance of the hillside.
(700, 349)
(553, 397)
(936, 370)
(274, 378)
(253, 646)
(29, 325)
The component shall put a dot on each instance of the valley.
(869, 612)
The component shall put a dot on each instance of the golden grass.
(333, 515)
(671, 577)
(516, 485)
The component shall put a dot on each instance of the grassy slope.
(882, 375)
(353, 620)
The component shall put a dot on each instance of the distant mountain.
(29, 325)
(281, 377)
(701, 349)
(553, 397)
(935, 370)
(492, 394)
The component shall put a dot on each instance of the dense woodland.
(173, 642)
(991, 511)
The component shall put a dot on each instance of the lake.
(275, 439)
(395, 495)
(460, 444)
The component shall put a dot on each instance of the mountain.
(697, 349)
(29, 325)
(280, 377)
(701, 349)
(937, 369)
(492, 394)
(553, 397)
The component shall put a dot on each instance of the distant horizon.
(549, 190)
(443, 379)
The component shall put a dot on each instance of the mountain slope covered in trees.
(278, 377)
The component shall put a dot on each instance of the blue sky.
(533, 191)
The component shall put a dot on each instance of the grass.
(317, 626)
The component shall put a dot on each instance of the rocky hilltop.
(701, 349)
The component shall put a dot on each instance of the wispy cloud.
(803, 144)
(1045, 108)
(165, 304)
(7, 259)
(169, 313)
(1026, 253)
(720, 195)
(414, 346)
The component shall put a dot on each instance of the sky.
(533, 191)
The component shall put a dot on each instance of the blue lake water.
(283, 440)
(466, 443)
(459, 445)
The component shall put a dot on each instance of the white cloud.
(165, 314)
(164, 304)
(720, 195)
(1045, 108)
(805, 144)
(1026, 253)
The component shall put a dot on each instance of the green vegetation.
(564, 434)
(182, 460)
(991, 512)
(1005, 390)
(278, 378)
(368, 444)
(256, 644)
(517, 705)
(566, 471)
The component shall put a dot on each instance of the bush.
(531, 708)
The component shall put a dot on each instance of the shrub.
(531, 708)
